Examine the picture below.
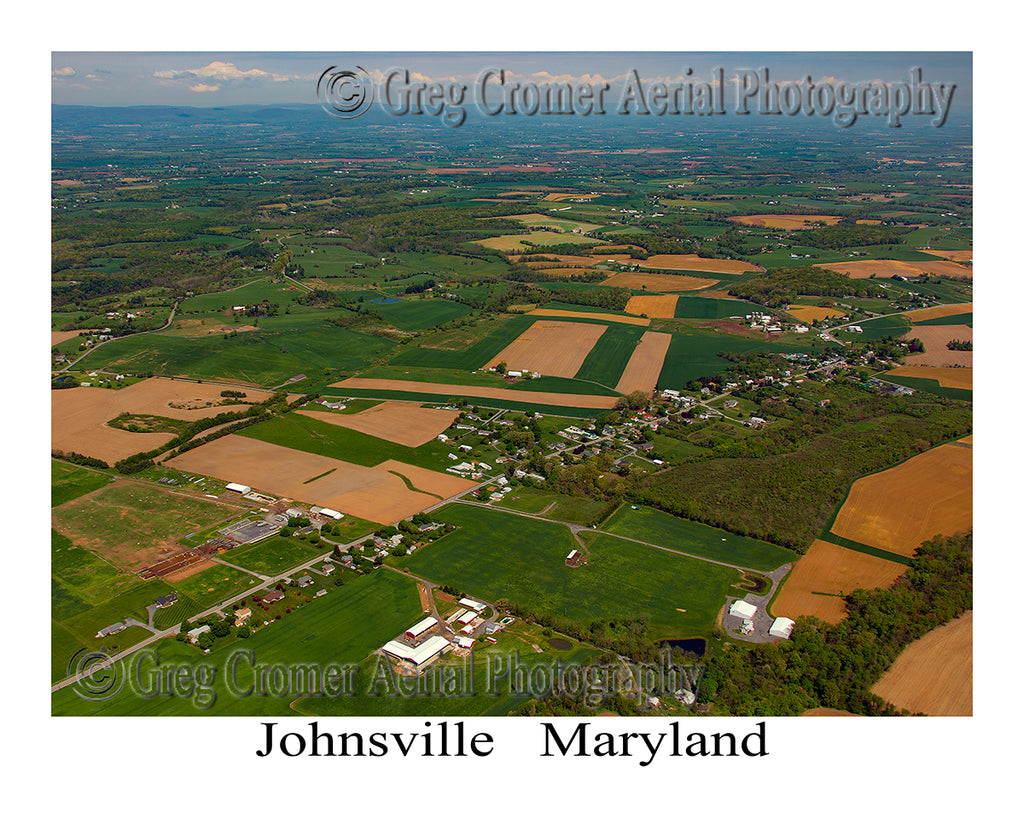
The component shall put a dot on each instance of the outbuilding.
(238, 487)
(422, 654)
(782, 627)
(416, 630)
(742, 609)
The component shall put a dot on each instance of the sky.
(235, 78)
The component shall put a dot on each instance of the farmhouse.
(304, 581)
(273, 596)
(106, 632)
(163, 601)
(242, 615)
(195, 633)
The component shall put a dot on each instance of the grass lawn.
(68, 482)
(497, 555)
(678, 534)
(272, 556)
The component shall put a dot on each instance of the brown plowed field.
(661, 282)
(553, 399)
(935, 337)
(551, 348)
(900, 508)
(883, 268)
(783, 220)
(78, 416)
(644, 366)
(941, 311)
(691, 261)
(57, 336)
(542, 311)
(653, 306)
(934, 675)
(442, 484)
(831, 570)
(952, 255)
(403, 423)
(371, 493)
(961, 378)
(809, 314)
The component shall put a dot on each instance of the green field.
(551, 505)
(68, 482)
(498, 555)
(692, 354)
(342, 627)
(467, 348)
(877, 328)
(699, 308)
(83, 575)
(420, 314)
(609, 356)
(310, 435)
(678, 534)
(272, 556)
(933, 386)
(282, 347)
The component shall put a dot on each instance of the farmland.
(497, 555)
(899, 508)
(822, 577)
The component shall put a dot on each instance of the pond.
(694, 645)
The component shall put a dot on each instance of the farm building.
(273, 596)
(573, 559)
(424, 624)
(330, 513)
(165, 600)
(106, 632)
(425, 653)
(238, 487)
(472, 604)
(782, 627)
(464, 642)
(195, 633)
(242, 615)
(467, 617)
(304, 581)
(742, 609)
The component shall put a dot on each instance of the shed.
(782, 627)
(238, 487)
(743, 609)
(420, 655)
(331, 514)
(415, 631)
(472, 604)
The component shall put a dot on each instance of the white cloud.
(218, 71)
(203, 88)
(66, 71)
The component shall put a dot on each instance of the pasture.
(499, 555)
(132, 525)
(817, 583)
(68, 482)
(696, 539)
(421, 314)
(273, 556)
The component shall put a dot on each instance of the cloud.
(202, 88)
(66, 71)
(219, 71)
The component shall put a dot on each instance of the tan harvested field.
(828, 569)
(960, 378)
(934, 675)
(78, 417)
(558, 197)
(543, 311)
(935, 337)
(941, 311)
(372, 493)
(952, 255)
(441, 484)
(652, 306)
(783, 220)
(691, 261)
(554, 221)
(403, 423)
(884, 268)
(525, 241)
(551, 348)
(900, 508)
(662, 282)
(808, 313)
(644, 365)
(57, 336)
(827, 712)
(554, 399)
(869, 221)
